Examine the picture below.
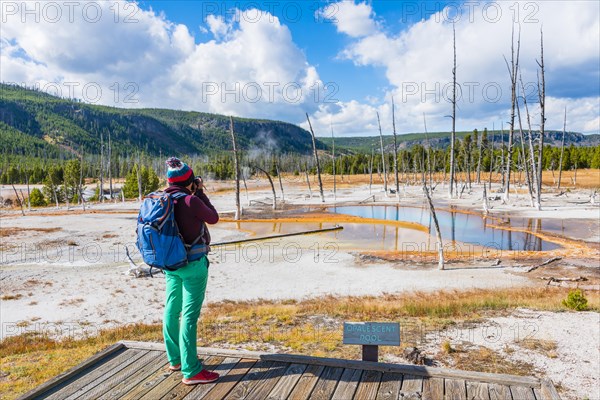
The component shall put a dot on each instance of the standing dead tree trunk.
(542, 99)
(272, 186)
(492, 155)
(429, 172)
(371, 169)
(236, 171)
(28, 192)
(440, 245)
(18, 199)
(314, 143)
(525, 159)
(512, 71)
(80, 188)
(139, 179)
(102, 169)
(453, 136)
(308, 181)
(385, 183)
(280, 181)
(479, 156)
(333, 165)
(110, 182)
(562, 149)
(530, 143)
(395, 150)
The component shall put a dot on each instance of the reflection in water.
(459, 227)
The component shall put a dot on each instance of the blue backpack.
(158, 238)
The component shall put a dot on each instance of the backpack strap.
(194, 249)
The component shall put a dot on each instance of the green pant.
(184, 296)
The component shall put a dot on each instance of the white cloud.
(253, 57)
(418, 62)
(352, 19)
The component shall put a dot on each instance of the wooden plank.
(105, 373)
(522, 393)
(286, 383)
(268, 381)
(124, 374)
(538, 394)
(433, 388)
(412, 387)
(500, 392)
(209, 351)
(219, 389)
(131, 381)
(246, 384)
(327, 383)
(406, 369)
(548, 390)
(181, 390)
(455, 389)
(168, 384)
(148, 383)
(306, 383)
(478, 391)
(347, 384)
(222, 369)
(368, 385)
(69, 374)
(80, 381)
(389, 388)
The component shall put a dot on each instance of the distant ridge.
(35, 123)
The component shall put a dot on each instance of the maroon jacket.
(191, 211)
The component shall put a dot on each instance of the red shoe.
(203, 376)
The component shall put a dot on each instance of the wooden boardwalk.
(139, 370)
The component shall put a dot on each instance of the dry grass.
(545, 347)
(308, 327)
(14, 231)
(16, 296)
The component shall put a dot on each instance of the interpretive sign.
(372, 333)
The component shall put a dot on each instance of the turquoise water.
(460, 227)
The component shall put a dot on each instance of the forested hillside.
(35, 124)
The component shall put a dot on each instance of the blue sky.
(274, 59)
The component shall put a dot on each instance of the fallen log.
(553, 259)
(553, 279)
(336, 228)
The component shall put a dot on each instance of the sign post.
(371, 335)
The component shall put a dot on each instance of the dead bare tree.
(308, 181)
(395, 150)
(512, 71)
(371, 169)
(438, 233)
(139, 179)
(236, 170)
(428, 152)
(314, 143)
(479, 155)
(525, 158)
(333, 165)
(453, 135)
(272, 186)
(542, 100)
(28, 192)
(562, 149)
(385, 183)
(280, 181)
(534, 185)
(110, 182)
(102, 170)
(492, 154)
(80, 188)
(18, 199)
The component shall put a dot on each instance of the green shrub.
(576, 300)
(36, 197)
